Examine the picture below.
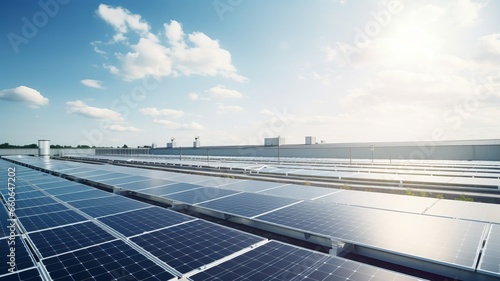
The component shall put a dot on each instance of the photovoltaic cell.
(168, 189)
(45, 209)
(43, 221)
(490, 260)
(90, 194)
(110, 261)
(59, 240)
(145, 184)
(199, 195)
(277, 261)
(22, 257)
(455, 242)
(248, 204)
(143, 220)
(110, 209)
(68, 189)
(194, 244)
(30, 203)
(24, 275)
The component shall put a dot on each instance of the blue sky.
(233, 72)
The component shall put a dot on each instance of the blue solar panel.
(4, 223)
(490, 260)
(30, 203)
(199, 195)
(144, 184)
(29, 195)
(93, 193)
(110, 209)
(432, 238)
(75, 187)
(59, 240)
(85, 203)
(45, 209)
(129, 179)
(106, 176)
(47, 186)
(110, 261)
(22, 259)
(276, 261)
(25, 275)
(252, 186)
(43, 221)
(140, 221)
(171, 188)
(248, 204)
(194, 244)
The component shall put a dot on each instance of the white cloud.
(80, 108)
(120, 128)
(192, 54)
(221, 91)
(97, 84)
(223, 109)
(153, 111)
(26, 95)
(489, 48)
(178, 126)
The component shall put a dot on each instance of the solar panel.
(300, 191)
(466, 210)
(75, 187)
(248, 204)
(20, 188)
(48, 186)
(110, 209)
(194, 244)
(24, 275)
(275, 261)
(43, 221)
(143, 220)
(30, 203)
(59, 240)
(128, 179)
(45, 209)
(106, 176)
(110, 261)
(490, 260)
(455, 242)
(89, 194)
(113, 199)
(4, 223)
(195, 196)
(169, 189)
(411, 204)
(145, 184)
(252, 186)
(22, 259)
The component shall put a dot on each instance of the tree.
(124, 146)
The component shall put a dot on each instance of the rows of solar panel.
(64, 239)
(248, 204)
(143, 220)
(109, 261)
(456, 242)
(194, 244)
(276, 261)
(490, 259)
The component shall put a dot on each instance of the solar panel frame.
(490, 259)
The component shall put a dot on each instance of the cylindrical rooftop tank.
(44, 148)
